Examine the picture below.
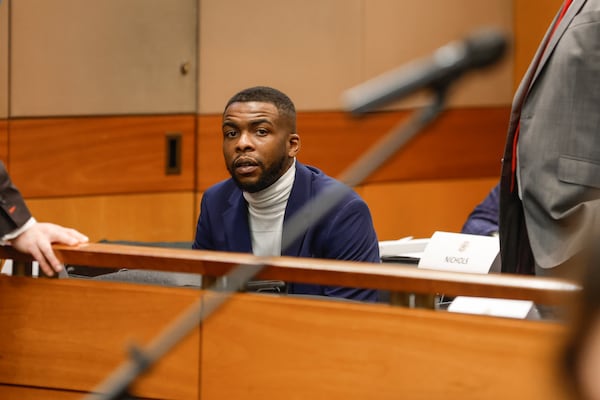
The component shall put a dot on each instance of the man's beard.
(266, 178)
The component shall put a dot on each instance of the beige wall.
(73, 58)
(310, 49)
(398, 32)
(315, 49)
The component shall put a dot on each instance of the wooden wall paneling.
(400, 32)
(463, 143)
(532, 19)
(53, 323)
(311, 50)
(393, 277)
(419, 208)
(432, 184)
(258, 345)
(4, 31)
(209, 152)
(90, 156)
(33, 393)
(4, 141)
(153, 217)
(112, 57)
(257, 348)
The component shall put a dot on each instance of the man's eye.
(262, 132)
(230, 134)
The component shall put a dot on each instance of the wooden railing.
(61, 337)
(390, 277)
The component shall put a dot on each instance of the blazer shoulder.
(320, 181)
(318, 178)
(222, 191)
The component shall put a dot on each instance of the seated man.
(247, 213)
(483, 220)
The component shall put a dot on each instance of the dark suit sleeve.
(203, 238)
(483, 220)
(351, 236)
(14, 212)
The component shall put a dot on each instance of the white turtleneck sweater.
(266, 210)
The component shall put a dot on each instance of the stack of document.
(405, 250)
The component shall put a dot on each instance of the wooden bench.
(61, 338)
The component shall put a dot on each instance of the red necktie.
(563, 11)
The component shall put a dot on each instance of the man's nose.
(245, 141)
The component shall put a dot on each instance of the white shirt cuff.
(11, 235)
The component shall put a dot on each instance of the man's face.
(258, 144)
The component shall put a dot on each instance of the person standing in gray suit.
(550, 185)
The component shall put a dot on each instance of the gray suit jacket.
(558, 147)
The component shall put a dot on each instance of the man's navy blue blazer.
(345, 233)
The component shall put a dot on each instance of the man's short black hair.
(265, 94)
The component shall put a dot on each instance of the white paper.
(496, 307)
(407, 247)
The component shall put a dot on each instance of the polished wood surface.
(255, 346)
(259, 347)
(419, 208)
(148, 217)
(532, 19)
(329, 272)
(432, 184)
(70, 334)
(4, 46)
(99, 155)
(105, 175)
(4, 141)
(33, 393)
(463, 143)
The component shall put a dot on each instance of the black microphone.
(445, 65)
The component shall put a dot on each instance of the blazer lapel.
(300, 195)
(236, 226)
(560, 30)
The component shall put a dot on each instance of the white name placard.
(459, 252)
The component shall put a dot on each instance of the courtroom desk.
(255, 348)
(66, 335)
(70, 335)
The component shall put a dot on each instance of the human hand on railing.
(38, 239)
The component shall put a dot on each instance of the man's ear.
(294, 143)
